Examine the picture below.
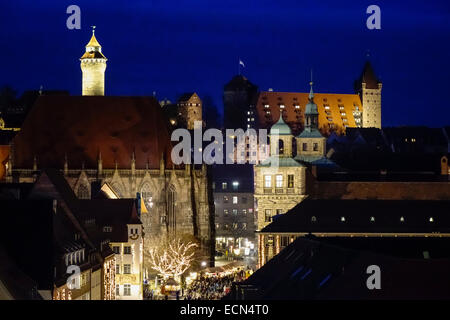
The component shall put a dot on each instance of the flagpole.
(239, 66)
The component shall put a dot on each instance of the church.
(118, 145)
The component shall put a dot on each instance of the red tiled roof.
(83, 126)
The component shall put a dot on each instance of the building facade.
(336, 111)
(235, 216)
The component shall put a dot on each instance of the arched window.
(280, 147)
(83, 192)
(147, 196)
(171, 213)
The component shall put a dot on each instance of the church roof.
(281, 126)
(82, 126)
(312, 133)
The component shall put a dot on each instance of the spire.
(93, 42)
(311, 93)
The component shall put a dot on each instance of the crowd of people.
(212, 288)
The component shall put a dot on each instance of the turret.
(93, 66)
(368, 86)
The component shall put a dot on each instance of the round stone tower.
(93, 66)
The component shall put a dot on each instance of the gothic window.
(171, 213)
(147, 196)
(83, 192)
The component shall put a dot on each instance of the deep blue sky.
(175, 46)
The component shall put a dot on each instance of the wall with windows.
(277, 190)
(129, 265)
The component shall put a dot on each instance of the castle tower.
(189, 109)
(369, 89)
(93, 66)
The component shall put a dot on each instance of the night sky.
(173, 47)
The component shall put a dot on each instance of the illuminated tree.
(172, 257)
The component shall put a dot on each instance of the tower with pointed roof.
(368, 86)
(93, 66)
(311, 145)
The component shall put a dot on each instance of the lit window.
(402, 219)
(225, 212)
(372, 219)
(127, 289)
(431, 219)
(225, 199)
(267, 215)
(290, 180)
(281, 106)
(343, 219)
(313, 219)
(297, 106)
(266, 106)
(235, 199)
(279, 181)
(268, 181)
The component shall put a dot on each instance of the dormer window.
(107, 229)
